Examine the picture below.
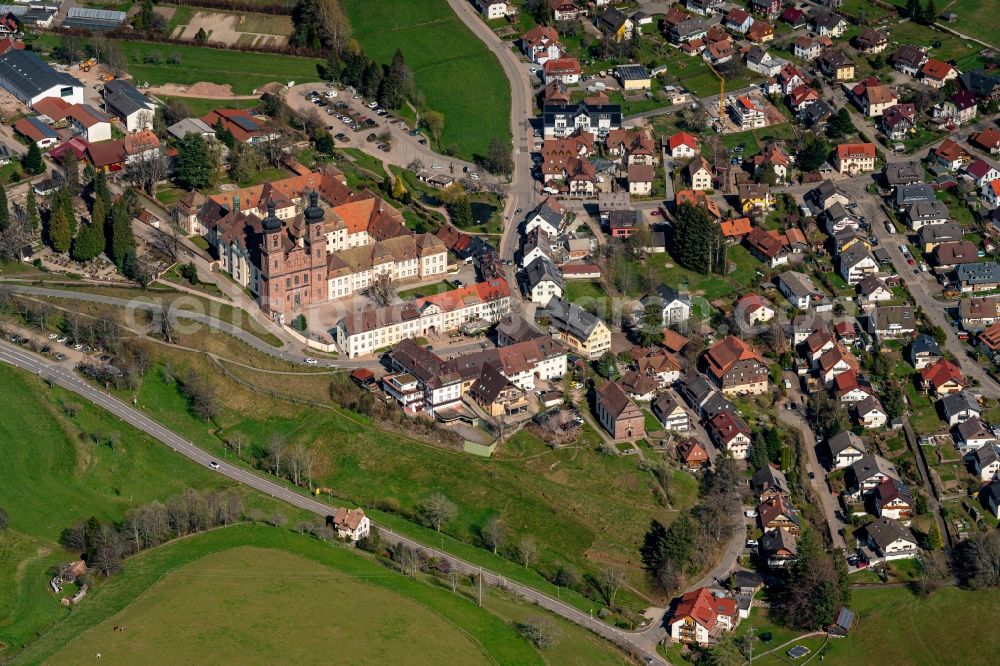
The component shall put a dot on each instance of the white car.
(788, 384)
(330, 94)
(474, 176)
(53, 336)
(311, 361)
(751, 543)
(750, 513)
(437, 166)
(213, 465)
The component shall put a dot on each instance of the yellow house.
(615, 24)
(581, 331)
(755, 197)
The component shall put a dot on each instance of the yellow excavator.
(85, 65)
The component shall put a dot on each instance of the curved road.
(65, 378)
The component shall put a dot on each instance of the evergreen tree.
(224, 135)
(930, 12)
(89, 243)
(461, 212)
(840, 124)
(101, 190)
(912, 8)
(933, 540)
(814, 153)
(60, 236)
(398, 189)
(71, 172)
(695, 239)
(32, 161)
(121, 240)
(402, 72)
(4, 209)
(194, 167)
(31, 207)
(371, 81)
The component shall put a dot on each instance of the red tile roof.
(940, 373)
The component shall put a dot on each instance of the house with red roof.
(738, 20)
(935, 73)
(698, 617)
(241, 124)
(991, 192)
(987, 140)
(951, 155)
(982, 172)
(736, 368)
(682, 144)
(565, 70)
(855, 158)
(733, 230)
(942, 378)
(794, 17)
(754, 309)
(541, 44)
(730, 433)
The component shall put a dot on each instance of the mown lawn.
(54, 474)
(453, 69)
(977, 18)
(275, 600)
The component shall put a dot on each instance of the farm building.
(134, 109)
(30, 79)
(93, 19)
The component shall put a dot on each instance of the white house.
(548, 217)
(30, 79)
(495, 9)
(544, 281)
(351, 524)
(870, 413)
(845, 448)
(857, 263)
(675, 306)
(889, 539)
(131, 106)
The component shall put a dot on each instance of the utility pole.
(480, 586)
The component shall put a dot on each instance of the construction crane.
(722, 92)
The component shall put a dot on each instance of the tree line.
(103, 545)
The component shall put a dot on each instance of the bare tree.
(312, 121)
(527, 551)
(438, 510)
(333, 24)
(236, 442)
(273, 149)
(494, 533)
(115, 61)
(16, 235)
(144, 121)
(540, 631)
(145, 173)
(382, 289)
(166, 322)
(611, 581)
(275, 450)
(453, 577)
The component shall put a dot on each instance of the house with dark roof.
(498, 396)
(670, 413)
(981, 276)
(973, 434)
(736, 368)
(581, 331)
(769, 481)
(617, 413)
(984, 86)
(990, 497)
(930, 236)
(131, 106)
(730, 433)
(923, 351)
(543, 280)
(908, 59)
(778, 548)
(956, 408)
(864, 475)
(886, 540)
(30, 79)
(777, 512)
(986, 463)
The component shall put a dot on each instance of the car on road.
(384, 147)
(53, 336)
(311, 361)
(889, 229)
(213, 465)
(46, 349)
(437, 166)
(910, 261)
(340, 136)
(62, 340)
(750, 513)
(751, 543)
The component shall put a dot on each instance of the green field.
(964, 52)
(263, 605)
(54, 474)
(976, 18)
(453, 69)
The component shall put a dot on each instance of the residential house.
(699, 174)
(923, 351)
(815, 115)
(736, 229)
(942, 377)
(777, 512)
(615, 24)
(536, 246)
(738, 20)
(617, 413)
(133, 108)
(638, 386)
(898, 121)
(736, 367)
(561, 120)
(497, 395)
(864, 475)
(675, 305)
(990, 192)
(829, 25)
(966, 107)
(989, 340)
(564, 70)
(547, 217)
(870, 414)
(875, 99)
(977, 313)
(987, 140)
(873, 289)
(755, 197)
(719, 52)
(982, 172)
(623, 223)
(632, 146)
(972, 434)
(747, 114)
(244, 127)
(950, 255)
(778, 548)
(951, 155)
(640, 179)
(817, 343)
(513, 329)
(887, 322)
(933, 235)
(730, 433)
(682, 144)
(769, 481)
(753, 309)
(908, 59)
(935, 73)
(838, 221)
(760, 32)
(36, 131)
(888, 540)
(850, 387)
(699, 616)
(543, 280)
(990, 497)
(958, 407)
(769, 8)
(982, 276)
(908, 172)
(582, 332)
(794, 17)
(692, 454)
(669, 412)
(845, 448)
(923, 213)
(985, 86)
(760, 61)
(834, 362)
(541, 44)
(495, 9)
(836, 64)
(855, 158)
(857, 263)
(790, 78)
(870, 41)
(564, 10)
(825, 195)
(687, 31)
(907, 195)
(986, 463)
(350, 524)
(800, 291)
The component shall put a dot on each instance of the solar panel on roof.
(245, 123)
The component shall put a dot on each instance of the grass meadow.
(453, 69)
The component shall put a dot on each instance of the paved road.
(794, 418)
(65, 378)
(521, 191)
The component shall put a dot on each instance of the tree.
(194, 166)
(438, 509)
(371, 80)
(31, 209)
(494, 533)
(929, 15)
(840, 124)
(143, 174)
(539, 631)
(59, 232)
(324, 143)
(89, 242)
(813, 593)
(499, 158)
(696, 239)
(398, 189)
(432, 120)
(32, 161)
(978, 560)
(189, 272)
(768, 175)
(933, 540)
(460, 210)
(892, 399)
(121, 240)
(607, 366)
(4, 519)
(382, 289)
(913, 9)
(244, 163)
(527, 551)
(4, 209)
(814, 153)
(101, 190)
(611, 581)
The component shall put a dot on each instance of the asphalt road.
(65, 378)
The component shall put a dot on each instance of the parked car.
(750, 513)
